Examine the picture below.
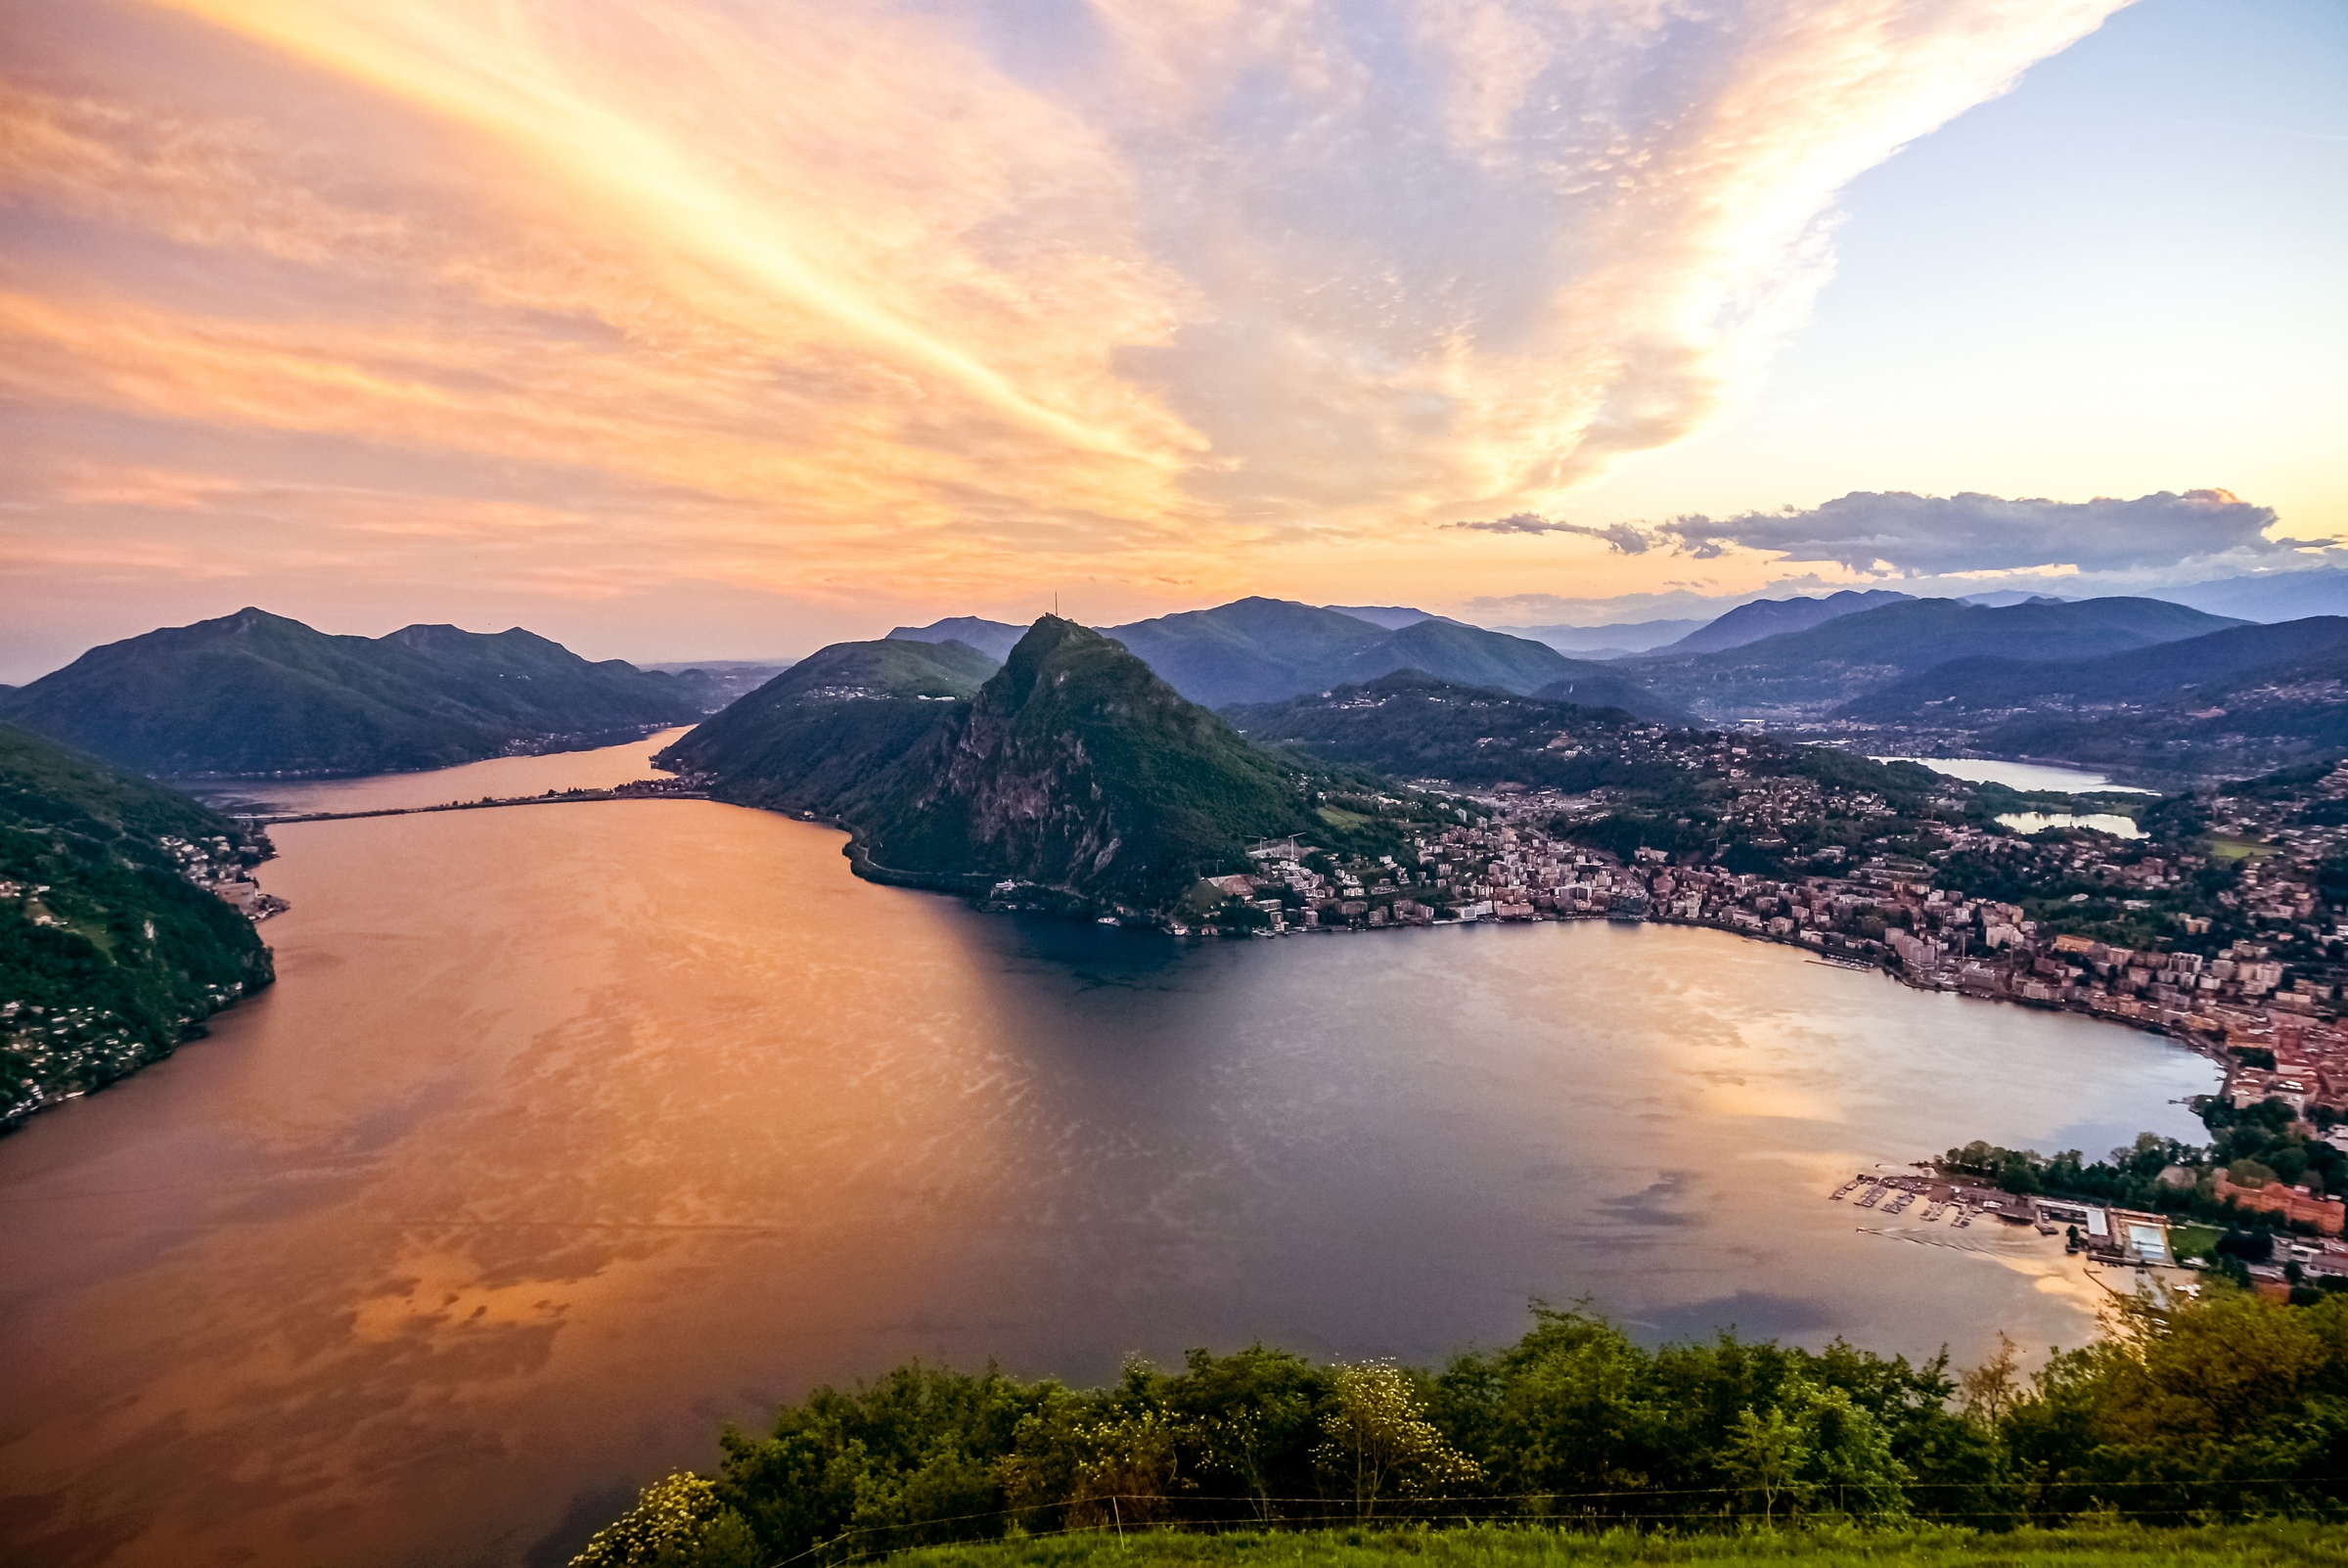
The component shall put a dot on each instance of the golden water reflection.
(572, 1131)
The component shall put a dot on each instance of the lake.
(2101, 822)
(497, 779)
(2022, 775)
(570, 1130)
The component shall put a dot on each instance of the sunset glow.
(778, 321)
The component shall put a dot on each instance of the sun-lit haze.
(728, 330)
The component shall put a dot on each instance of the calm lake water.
(2021, 775)
(498, 779)
(572, 1131)
(2101, 822)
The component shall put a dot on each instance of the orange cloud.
(808, 293)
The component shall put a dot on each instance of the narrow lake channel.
(571, 1131)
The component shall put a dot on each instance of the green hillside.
(1077, 769)
(1469, 656)
(258, 694)
(1411, 726)
(818, 735)
(1805, 674)
(108, 953)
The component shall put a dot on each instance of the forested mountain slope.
(258, 694)
(1411, 726)
(107, 951)
(1077, 769)
(818, 735)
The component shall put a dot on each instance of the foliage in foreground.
(2186, 1412)
(1831, 1546)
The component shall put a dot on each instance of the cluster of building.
(49, 1054)
(219, 868)
(2109, 1233)
(1908, 913)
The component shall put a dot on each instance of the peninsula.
(127, 918)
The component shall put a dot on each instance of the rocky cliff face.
(1079, 770)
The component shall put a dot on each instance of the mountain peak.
(1077, 768)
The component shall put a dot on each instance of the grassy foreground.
(2119, 1545)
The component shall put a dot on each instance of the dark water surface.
(573, 1130)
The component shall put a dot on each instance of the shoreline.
(2203, 1034)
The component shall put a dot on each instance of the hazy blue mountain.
(714, 683)
(1605, 642)
(1393, 617)
(117, 950)
(816, 736)
(258, 694)
(1801, 675)
(2004, 596)
(2282, 596)
(994, 639)
(1773, 617)
(1263, 650)
(2164, 673)
(2238, 699)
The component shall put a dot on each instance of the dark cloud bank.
(1930, 535)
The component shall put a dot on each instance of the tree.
(1131, 1472)
(1379, 1445)
(1986, 1392)
(1765, 1456)
(668, 1521)
(1851, 1465)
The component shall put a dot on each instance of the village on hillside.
(2216, 927)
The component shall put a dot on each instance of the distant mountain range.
(1774, 618)
(994, 639)
(2234, 702)
(99, 928)
(1393, 617)
(1801, 676)
(1071, 767)
(258, 694)
(2273, 596)
(254, 694)
(1263, 650)
(719, 681)
(1607, 642)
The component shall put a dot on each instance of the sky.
(728, 330)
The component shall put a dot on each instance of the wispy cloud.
(962, 297)
(1623, 538)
